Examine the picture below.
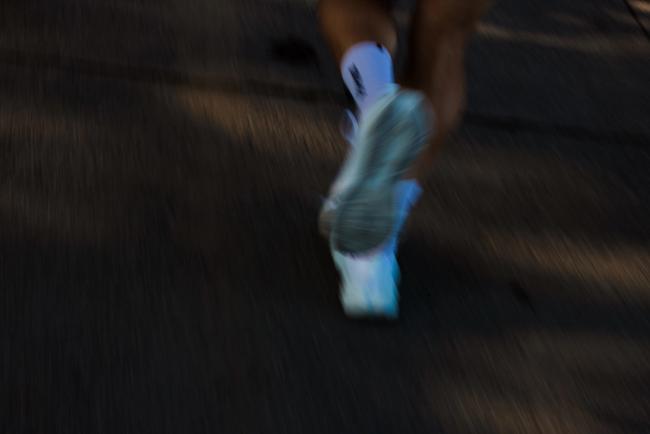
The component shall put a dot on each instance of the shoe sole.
(366, 316)
(389, 145)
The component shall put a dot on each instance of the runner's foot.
(360, 214)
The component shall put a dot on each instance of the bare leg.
(440, 31)
(348, 22)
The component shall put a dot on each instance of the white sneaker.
(359, 214)
(369, 283)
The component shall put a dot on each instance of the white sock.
(367, 70)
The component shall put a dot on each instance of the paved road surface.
(161, 167)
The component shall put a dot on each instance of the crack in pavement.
(249, 86)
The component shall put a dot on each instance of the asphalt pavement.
(161, 169)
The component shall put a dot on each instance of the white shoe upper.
(369, 283)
